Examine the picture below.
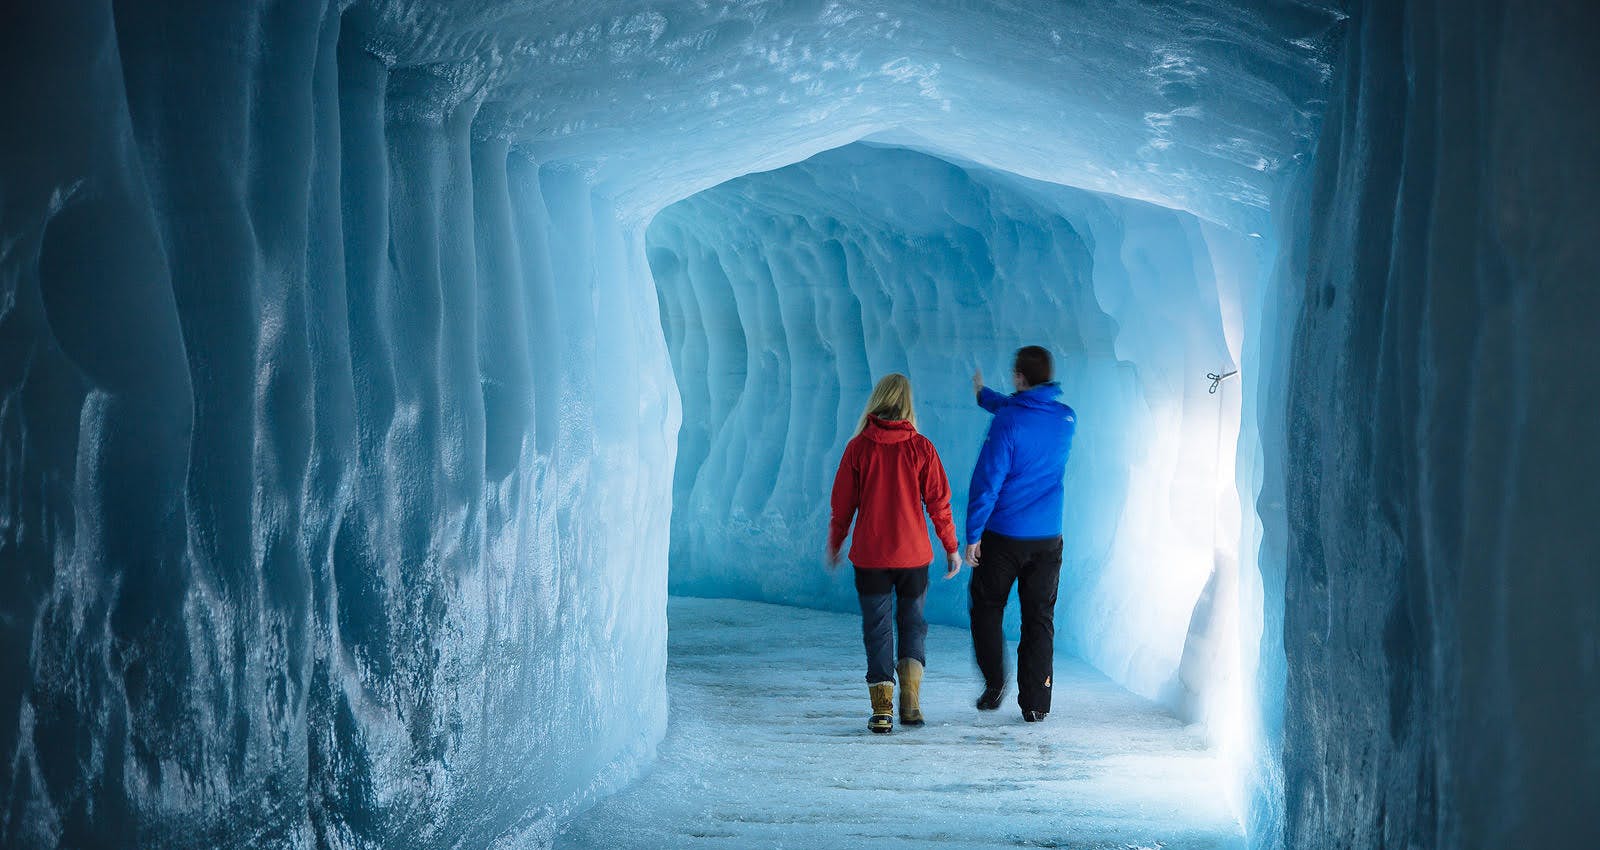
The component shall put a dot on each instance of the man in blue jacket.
(1014, 509)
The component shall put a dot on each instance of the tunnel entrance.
(784, 295)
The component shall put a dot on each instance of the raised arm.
(987, 399)
(994, 461)
(990, 400)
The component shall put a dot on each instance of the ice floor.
(767, 746)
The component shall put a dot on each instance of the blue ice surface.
(768, 747)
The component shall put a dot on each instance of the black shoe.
(990, 699)
(1034, 716)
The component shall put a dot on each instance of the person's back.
(1014, 517)
(889, 475)
(893, 466)
(1036, 431)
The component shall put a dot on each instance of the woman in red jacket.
(888, 476)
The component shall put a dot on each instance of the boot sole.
(882, 727)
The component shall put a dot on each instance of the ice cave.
(417, 418)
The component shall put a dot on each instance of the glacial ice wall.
(314, 532)
(785, 295)
(1440, 662)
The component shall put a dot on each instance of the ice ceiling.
(1195, 106)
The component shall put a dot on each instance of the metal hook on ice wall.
(1216, 380)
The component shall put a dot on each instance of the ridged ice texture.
(786, 294)
(319, 528)
(1197, 106)
(1441, 634)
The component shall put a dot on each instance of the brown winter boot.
(882, 719)
(910, 670)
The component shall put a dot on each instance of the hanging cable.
(1216, 380)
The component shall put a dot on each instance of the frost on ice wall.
(786, 295)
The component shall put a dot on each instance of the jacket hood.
(1043, 396)
(888, 430)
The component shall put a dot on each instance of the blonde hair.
(891, 400)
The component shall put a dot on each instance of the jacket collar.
(888, 430)
(1042, 395)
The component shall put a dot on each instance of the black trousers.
(1035, 567)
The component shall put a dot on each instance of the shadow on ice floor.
(767, 746)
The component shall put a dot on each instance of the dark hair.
(1034, 364)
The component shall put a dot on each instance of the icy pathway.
(768, 747)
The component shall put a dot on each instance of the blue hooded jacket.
(1018, 485)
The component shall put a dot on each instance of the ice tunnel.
(372, 373)
(785, 294)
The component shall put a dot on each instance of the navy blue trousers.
(902, 591)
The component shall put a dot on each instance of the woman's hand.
(977, 381)
(954, 561)
(832, 558)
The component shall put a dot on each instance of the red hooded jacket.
(888, 475)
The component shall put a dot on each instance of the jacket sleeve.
(990, 400)
(846, 498)
(936, 499)
(994, 461)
